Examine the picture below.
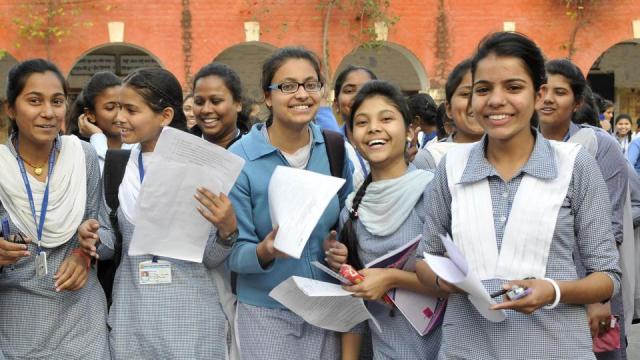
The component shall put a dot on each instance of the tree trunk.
(325, 42)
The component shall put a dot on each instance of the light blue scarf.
(387, 203)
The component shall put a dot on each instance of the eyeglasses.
(292, 87)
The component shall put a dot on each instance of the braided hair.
(424, 107)
(348, 235)
(392, 94)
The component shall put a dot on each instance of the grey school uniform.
(614, 168)
(270, 334)
(425, 160)
(35, 320)
(398, 339)
(584, 219)
(181, 320)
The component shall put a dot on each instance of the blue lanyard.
(140, 166)
(141, 172)
(45, 199)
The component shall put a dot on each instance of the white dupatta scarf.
(530, 226)
(67, 194)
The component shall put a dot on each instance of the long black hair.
(232, 82)
(512, 44)
(342, 77)
(624, 117)
(587, 112)
(348, 234)
(572, 73)
(160, 89)
(441, 119)
(20, 73)
(455, 78)
(99, 82)
(275, 62)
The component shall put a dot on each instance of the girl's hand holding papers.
(441, 288)
(218, 210)
(335, 251)
(266, 252)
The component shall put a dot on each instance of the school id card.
(41, 264)
(153, 273)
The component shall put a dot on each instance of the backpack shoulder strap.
(334, 143)
(115, 163)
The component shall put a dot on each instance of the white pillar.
(509, 26)
(382, 31)
(116, 31)
(251, 31)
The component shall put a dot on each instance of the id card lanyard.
(141, 173)
(43, 210)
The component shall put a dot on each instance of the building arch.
(119, 58)
(7, 61)
(246, 60)
(616, 77)
(392, 62)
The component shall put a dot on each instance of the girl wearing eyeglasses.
(292, 85)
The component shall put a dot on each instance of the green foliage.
(369, 12)
(49, 20)
(575, 10)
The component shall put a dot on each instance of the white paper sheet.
(322, 304)
(167, 222)
(455, 270)
(297, 199)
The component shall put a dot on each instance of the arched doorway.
(246, 59)
(120, 59)
(6, 63)
(391, 62)
(615, 75)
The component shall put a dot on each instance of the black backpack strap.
(335, 151)
(115, 163)
(334, 142)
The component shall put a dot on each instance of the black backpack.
(115, 163)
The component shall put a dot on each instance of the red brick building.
(430, 36)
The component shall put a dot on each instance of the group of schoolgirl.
(51, 192)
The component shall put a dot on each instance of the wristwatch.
(230, 239)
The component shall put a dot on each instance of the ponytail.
(348, 234)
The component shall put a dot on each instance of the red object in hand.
(349, 273)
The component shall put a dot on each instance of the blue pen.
(6, 231)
